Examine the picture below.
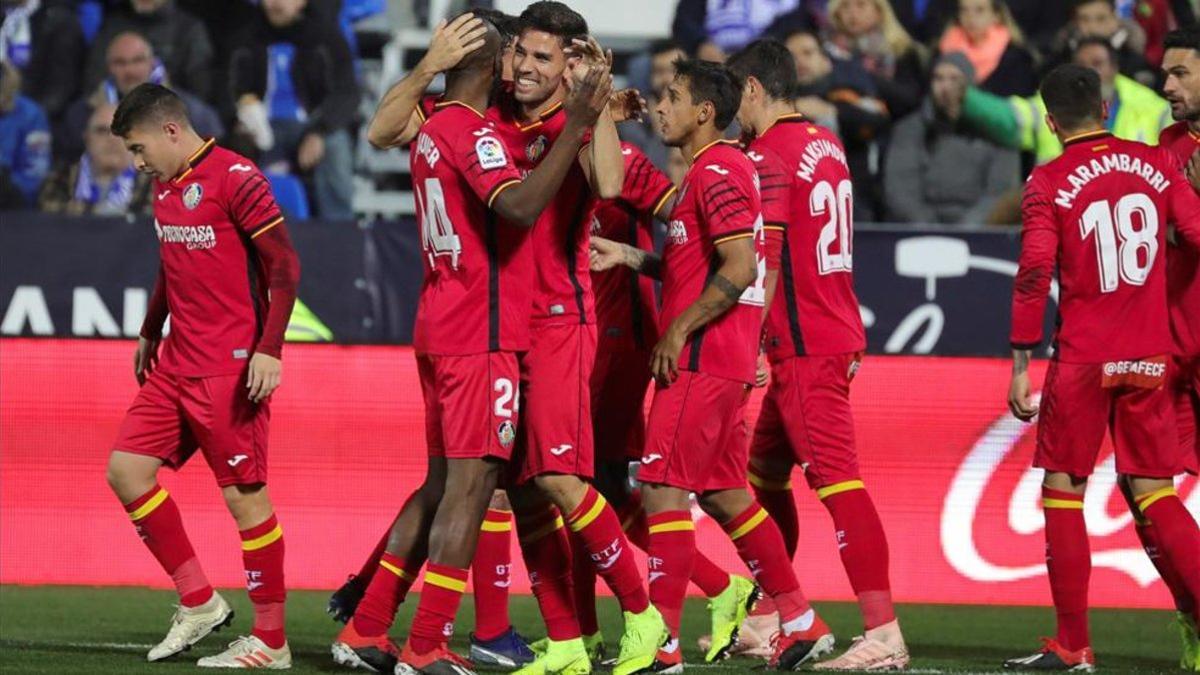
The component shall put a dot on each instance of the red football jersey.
(476, 293)
(216, 288)
(718, 201)
(1101, 212)
(560, 236)
(626, 310)
(807, 204)
(1183, 260)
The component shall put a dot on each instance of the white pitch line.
(122, 646)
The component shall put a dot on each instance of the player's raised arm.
(524, 202)
(398, 116)
(1039, 249)
(602, 163)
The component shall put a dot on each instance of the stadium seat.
(290, 195)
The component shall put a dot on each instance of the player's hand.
(1019, 400)
(311, 151)
(588, 97)
(590, 53)
(605, 254)
(664, 360)
(452, 41)
(627, 104)
(145, 359)
(761, 371)
(264, 376)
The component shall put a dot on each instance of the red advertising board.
(947, 466)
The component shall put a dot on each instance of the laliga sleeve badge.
(490, 153)
(192, 196)
(506, 433)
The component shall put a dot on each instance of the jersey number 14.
(437, 232)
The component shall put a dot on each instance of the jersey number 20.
(437, 232)
(1122, 232)
(838, 204)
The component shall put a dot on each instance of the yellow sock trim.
(838, 488)
(151, 504)
(400, 572)
(672, 526)
(263, 541)
(768, 484)
(592, 513)
(445, 581)
(749, 525)
(1048, 503)
(492, 526)
(1146, 500)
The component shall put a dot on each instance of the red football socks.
(710, 579)
(490, 575)
(777, 498)
(1179, 536)
(583, 582)
(547, 554)
(670, 555)
(389, 585)
(433, 624)
(262, 555)
(156, 518)
(1148, 534)
(760, 546)
(863, 547)
(706, 574)
(595, 524)
(1069, 562)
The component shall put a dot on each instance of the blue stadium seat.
(290, 195)
(91, 15)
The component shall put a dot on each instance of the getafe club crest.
(536, 149)
(192, 195)
(506, 433)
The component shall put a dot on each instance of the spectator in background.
(179, 39)
(293, 81)
(130, 61)
(984, 32)
(24, 142)
(103, 181)
(938, 171)
(1040, 21)
(840, 95)
(712, 29)
(924, 19)
(1135, 112)
(45, 42)
(1098, 18)
(867, 32)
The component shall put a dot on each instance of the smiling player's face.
(539, 63)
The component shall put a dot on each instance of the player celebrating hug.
(1100, 213)
(227, 264)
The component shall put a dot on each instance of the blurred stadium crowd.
(935, 100)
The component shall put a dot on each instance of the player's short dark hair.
(1095, 41)
(769, 62)
(555, 18)
(1076, 4)
(494, 40)
(148, 102)
(712, 82)
(1072, 95)
(507, 24)
(1187, 37)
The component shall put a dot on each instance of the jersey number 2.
(437, 232)
(838, 204)
(1122, 232)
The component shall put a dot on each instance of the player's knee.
(1065, 482)
(1139, 486)
(725, 505)
(659, 498)
(500, 501)
(564, 490)
(248, 504)
(127, 477)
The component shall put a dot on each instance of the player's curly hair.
(712, 82)
(555, 18)
(148, 102)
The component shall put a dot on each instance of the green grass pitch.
(108, 630)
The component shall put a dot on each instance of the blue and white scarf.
(158, 75)
(16, 37)
(114, 199)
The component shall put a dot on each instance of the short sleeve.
(773, 184)
(645, 188)
(484, 161)
(426, 106)
(728, 199)
(251, 204)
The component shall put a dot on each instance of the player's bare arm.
(739, 269)
(1020, 401)
(396, 120)
(606, 254)
(603, 163)
(523, 203)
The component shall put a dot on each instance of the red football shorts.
(556, 436)
(1076, 410)
(172, 416)
(806, 419)
(618, 404)
(1183, 381)
(697, 438)
(471, 404)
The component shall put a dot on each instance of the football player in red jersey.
(472, 322)
(713, 270)
(1099, 213)
(814, 341)
(228, 279)
(1181, 86)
